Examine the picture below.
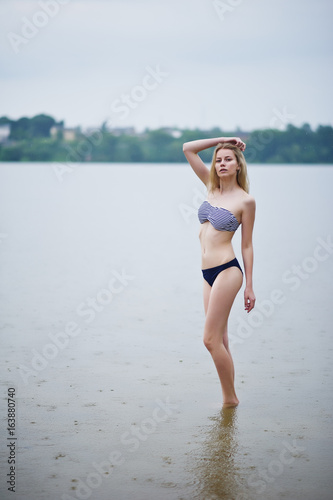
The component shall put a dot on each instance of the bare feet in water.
(229, 404)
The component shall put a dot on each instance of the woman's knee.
(208, 343)
(212, 339)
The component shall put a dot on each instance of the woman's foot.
(231, 403)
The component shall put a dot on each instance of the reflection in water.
(216, 467)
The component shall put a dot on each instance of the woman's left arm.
(247, 251)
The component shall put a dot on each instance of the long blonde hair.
(242, 178)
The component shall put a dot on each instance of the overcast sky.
(184, 63)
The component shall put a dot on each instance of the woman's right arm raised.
(192, 148)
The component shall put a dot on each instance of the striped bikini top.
(220, 218)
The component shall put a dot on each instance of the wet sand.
(127, 404)
(156, 417)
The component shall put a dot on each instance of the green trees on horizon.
(30, 128)
(30, 140)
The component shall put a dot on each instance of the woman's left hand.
(237, 142)
(249, 299)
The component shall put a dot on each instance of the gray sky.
(185, 63)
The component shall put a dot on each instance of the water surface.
(102, 321)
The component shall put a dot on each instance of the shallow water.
(102, 321)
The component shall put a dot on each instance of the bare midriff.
(216, 247)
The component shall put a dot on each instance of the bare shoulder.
(249, 203)
(248, 209)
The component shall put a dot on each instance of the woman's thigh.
(206, 294)
(220, 300)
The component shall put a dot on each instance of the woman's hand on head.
(249, 299)
(237, 142)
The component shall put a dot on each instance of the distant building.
(4, 133)
(54, 131)
(174, 132)
(122, 131)
(68, 134)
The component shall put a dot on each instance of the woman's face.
(226, 163)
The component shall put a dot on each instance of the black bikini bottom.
(211, 274)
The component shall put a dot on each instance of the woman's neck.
(227, 186)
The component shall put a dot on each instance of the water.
(102, 320)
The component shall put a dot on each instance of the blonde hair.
(242, 178)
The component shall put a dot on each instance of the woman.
(227, 206)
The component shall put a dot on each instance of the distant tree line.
(30, 139)
(30, 128)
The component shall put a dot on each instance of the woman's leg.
(206, 294)
(218, 303)
(226, 345)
